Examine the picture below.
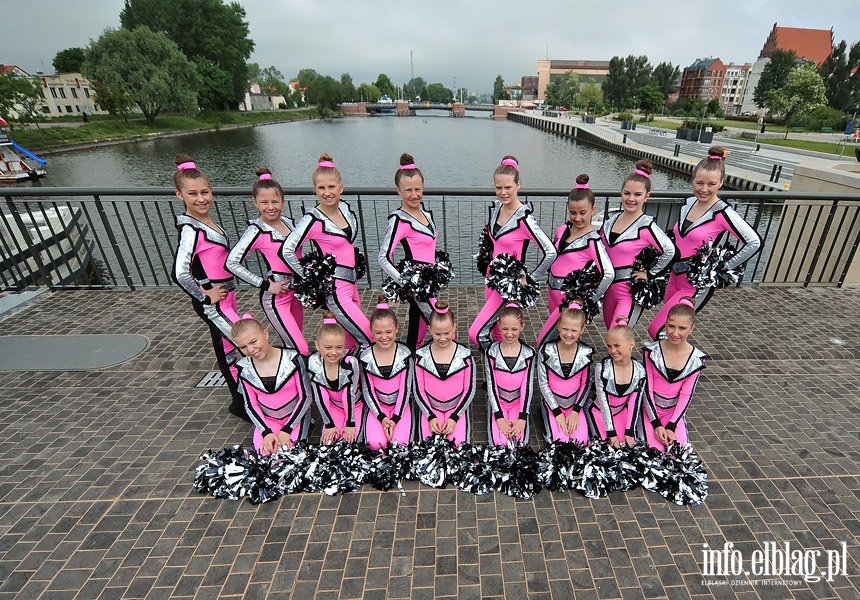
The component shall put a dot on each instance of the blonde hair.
(508, 169)
(182, 175)
(326, 171)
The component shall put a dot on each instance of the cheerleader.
(386, 382)
(267, 235)
(199, 269)
(577, 245)
(510, 374)
(411, 227)
(625, 233)
(444, 380)
(510, 229)
(273, 383)
(565, 380)
(332, 228)
(704, 217)
(618, 382)
(672, 367)
(335, 380)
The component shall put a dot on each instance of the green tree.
(666, 77)
(322, 91)
(214, 87)
(207, 28)
(146, 65)
(499, 91)
(414, 87)
(841, 82)
(437, 92)
(591, 96)
(713, 108)
(384, 85)
(14, 92)
(563, 90)
(626, 75)
(367, 92)
(31, 101)
(774, 76)
(347, 87)
(116, 101)
(802, 93)
(650, 99)
(69, 60)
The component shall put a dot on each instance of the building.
(809, 44)
(68, 94)
(703, 79)
(529, 85)
(589, 70)
(734, 88)
(255, 99)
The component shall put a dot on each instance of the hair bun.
(645, 165)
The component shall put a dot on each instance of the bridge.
(403, 108)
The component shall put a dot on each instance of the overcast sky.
(472, 41)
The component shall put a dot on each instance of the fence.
(74, 238)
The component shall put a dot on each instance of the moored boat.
(16, 162)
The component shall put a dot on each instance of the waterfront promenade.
(96, 470)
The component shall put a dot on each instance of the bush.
(823, 116)
(695, 124)
(625, 116)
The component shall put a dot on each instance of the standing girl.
(386, 382)
(619, 380)
(510, 375)
(625, 233)
(412, 227)
(273, 383)
(577, 244)
(704, 217)
(267, 235)
(199, 269)
(332, 228)
(335, 381)
(510, 229)
(672, 367)
(565, 380)
(444, 380)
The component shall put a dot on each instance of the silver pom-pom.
(505, 276)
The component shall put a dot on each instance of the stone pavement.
(96, 471)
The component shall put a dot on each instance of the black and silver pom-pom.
(598, 478)
(476, 468)
(648, 292)
(331, 469)
(686, 480)
(581, 285)
(430, 460)
(390, 466)
(288, 466)
(520, 479)
(360, 265)
(419, 280)
(560, 465)
(707, 267)
(505, 275)
(231, 473)
(485, 251)
(625, 472)
(318, 281)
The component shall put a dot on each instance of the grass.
(110, 128)
(827, 147)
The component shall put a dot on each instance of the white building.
(748, 105)
(734, 87)
(68, 94)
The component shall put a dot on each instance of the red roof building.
(808, 44)
(703, 79)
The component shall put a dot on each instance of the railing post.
(113, 243)
(444, 225)
(363, 239)
(16, 216)
(820, 244)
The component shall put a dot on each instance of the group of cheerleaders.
(370, 387)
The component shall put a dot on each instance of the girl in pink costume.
(625, 233)
(511, 228)
(199, 269)
(335, 379)
(444, 380)
(672, 367)
(386, 382)
(619, 381)
(704, 217)
(411, 227)
(273, 383)
(565, 380)
(577, 244)
(267, 235)
(510, 380)
(332, 228)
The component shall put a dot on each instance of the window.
(54, 92)
(46, 110)
(87, 92)
(62, 93)
(74, 93)
(68, 109)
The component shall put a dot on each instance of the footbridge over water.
(404, 109)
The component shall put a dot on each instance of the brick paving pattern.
(96, 471)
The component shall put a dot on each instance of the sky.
(467, 43)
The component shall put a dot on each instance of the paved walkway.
(96, 471)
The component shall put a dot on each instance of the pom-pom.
(360, 265)
(648, 292)
(430, 459)
(288, 466)
(707, 267)
(485, 251)
(419, 280)
(390, 466)
(581, 285)
(682, 478)
(476, 469)
(520, 478)
(559, 466)
(505, 276)
(332, 469)
(318, 281)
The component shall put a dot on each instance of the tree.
(321, 91)
(841, 81)
(116, 101)
(437, 92)
(384, 85)
(146, 65)
(626, 75)
(774, 76)
(591, 96)
(20, 96)
(414, 87)
(214, 88)
(69, 60)
(650, 99)
(563, 90)
(713, 107)
(207, 28)
(367, 92)
(803, 92)
(347, 87)
(499, 91)
(665, 77)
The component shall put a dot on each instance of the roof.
(811, 44)
(701, 63)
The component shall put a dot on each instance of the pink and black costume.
(419, 244)
(277, 403)
(512, 238)
(622, 249)
(510, 386)
(618, 402)
(573, 256)
(283, 310)
(718, 221)
(387, 392)
(201, 255)
(668, 392)
(339, 401)
(328, 238)
(445, 391)
(566, 388)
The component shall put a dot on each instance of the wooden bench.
(826, 130)
(796, 130)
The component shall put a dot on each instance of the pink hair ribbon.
(326, 164)
(382, 306)
(510, 162)
(582, 186)
(688, 302)
(574, 306)
(265, 176)
(642, 173)
(442, 311)
(247, 316)
(186, 166)
(329, 321)
(408, 167)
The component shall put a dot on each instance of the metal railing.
(129, 236)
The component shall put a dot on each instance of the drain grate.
(212, 379)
